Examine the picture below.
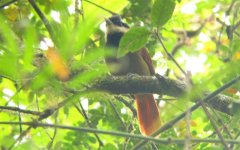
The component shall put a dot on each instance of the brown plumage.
(138, 63)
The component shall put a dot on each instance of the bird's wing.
(144, 53)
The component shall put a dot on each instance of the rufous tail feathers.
(148, 114)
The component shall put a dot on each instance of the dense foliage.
(52, 53)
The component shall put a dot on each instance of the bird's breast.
(130, 63)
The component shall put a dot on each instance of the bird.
(138, 62)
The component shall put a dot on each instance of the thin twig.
(233, 28)
(220, 121)
(126, 143)
(173, 52)
(127, 104)
(237, 34)
(154, 146)
(121, 134)
(77, 12)
(43, 18)
(24, 133)
(129, 129)
(118, 115)
(8, 3)
(37, 103)
(194, 107)
(84, 114)
(18, 90)
(166, 99)
(236, 137)
(214, 125)
(236, 25)
(187, 134)
(20, 120)
(45, 114)
(54, 134)
(19, 110)
(82, 10)
(184, 36)
(222, 28)
(168, 54)
(9, 78)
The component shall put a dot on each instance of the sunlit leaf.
(8, 36)
(133, 40)
(236, 56)
(30, 41)
(162, 11)
(11, 13)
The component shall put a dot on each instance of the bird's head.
(114, 24)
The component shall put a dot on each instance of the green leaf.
(133, 40)
(30, 40)
(162, 11)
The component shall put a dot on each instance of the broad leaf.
(162, 11)
(133, 40)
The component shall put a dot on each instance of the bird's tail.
(148, 114)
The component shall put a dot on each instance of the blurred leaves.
(36, 75)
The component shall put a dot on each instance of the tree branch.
(16, 109)
(120, 134)
(135, 84)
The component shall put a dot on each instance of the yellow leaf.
(209, 46)
(225, 41)
(58, 64)
(11, 13)
(236, 56)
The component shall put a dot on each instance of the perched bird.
(136, 63)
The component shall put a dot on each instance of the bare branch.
(10, 108)
(135, 84)
(120, 134)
